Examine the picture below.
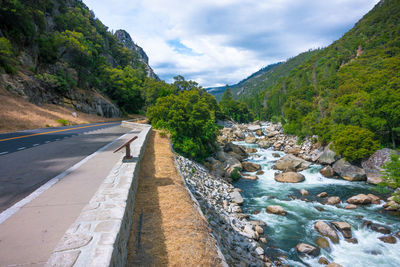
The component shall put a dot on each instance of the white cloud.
(221, 42)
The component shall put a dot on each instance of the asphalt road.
(31, 158)
(17, 141)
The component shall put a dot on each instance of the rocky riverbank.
(238, 237)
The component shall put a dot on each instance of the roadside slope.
(167, 229)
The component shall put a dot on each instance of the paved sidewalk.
(29, 236)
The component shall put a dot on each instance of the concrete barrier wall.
(100, 235)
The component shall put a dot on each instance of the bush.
(391, 175)
(235, 174)
(354, 143)
(63, 122)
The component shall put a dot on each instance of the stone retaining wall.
(100, 235)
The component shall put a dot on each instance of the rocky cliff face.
(34, 90)
(124, 38)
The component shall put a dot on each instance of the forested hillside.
(59, 52)
(348, 93)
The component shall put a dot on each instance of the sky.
(218, 42)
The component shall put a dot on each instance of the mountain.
(239, 87)
(58, 52)
(124, 38)
(352, 84)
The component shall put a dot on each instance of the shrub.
(63, 122)
(391, 175)
(354, 143)
(235, 174)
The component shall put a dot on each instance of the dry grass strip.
(172, 231)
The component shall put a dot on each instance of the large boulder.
(388, 239)
(327, 171)
(307, 249)
(250, 166)
(327, 156)
(239, 134)
(275, 209)
(349, 172)
(333, 200)
(360, 199)
(290, 163)
(231, 147)
(250, 139)
(264, 143)
(236, 197)
(374, 163)
(254, 128)
(343, 227)
(377, 227)
(289, 177)
(323, 243)
(324, 229)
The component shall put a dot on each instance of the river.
(285, 232)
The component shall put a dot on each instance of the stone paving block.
(63, 259)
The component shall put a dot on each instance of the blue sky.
(218, 42)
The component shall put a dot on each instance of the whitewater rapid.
(285, 232)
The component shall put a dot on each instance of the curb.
(100, 234)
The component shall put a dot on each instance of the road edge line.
(20, 204)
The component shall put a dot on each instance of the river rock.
(307, 249)
(323, 261)
(334, 264)
(289, 177)
(374, 199)
(349, 172)
(251, 150)
(327, 156)
(343, 227)
(259, 132)
(260, 172)
(262, 143)
(259, 251)
(359, 199)
(250, 140)
(324, 229)
(333, 200)
(350, 207)
(272, 134)
(237, 149)
(236, 197)
(323, 243)
(375, 162)
(259, 229)
(374, 178)
(239, 134)
(263, 240)
(304, 192)
(388, 239)
(290, 163)
(327, 171)
(322, 194)
(250, 177)
(275, 209)
(250, 166)
(352, 240)
(253, 127)
(276, 155)
(377, 227)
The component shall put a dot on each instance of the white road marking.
(35, 144)
(3, 153)
(17, 206)
(21, 148)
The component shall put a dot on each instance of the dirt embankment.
(167, 230)
(17, 114)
